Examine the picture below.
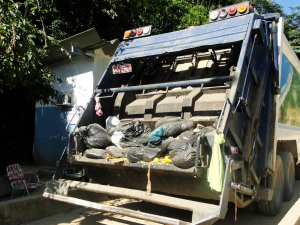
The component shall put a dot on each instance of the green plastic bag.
(216, 168)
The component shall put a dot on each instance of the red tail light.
(232, 10)
(139, 31)
(133, 32)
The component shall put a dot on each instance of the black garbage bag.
(163, 145)
(167, 119)
(141, 129)
(136, 154)
(131, 130)
(127, 127)
(127, 144)
(115, 152)
(95, 136)
(95, 153)
(137, 141)
(185, 159)
(175, 128)
(177, 146)
(205, 129)
(79, 142)
(141, 140)
(189, 135)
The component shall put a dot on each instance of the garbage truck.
(191, 119)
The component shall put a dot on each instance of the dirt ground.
(82, 216)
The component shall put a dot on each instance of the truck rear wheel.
(276, 180)
(289, 175)
(297, 172)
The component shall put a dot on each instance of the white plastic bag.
(112, 121)
(117, 137)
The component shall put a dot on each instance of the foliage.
(25, 29)
(113, 17)
(292, 29)
(267, 6)
(23, 47)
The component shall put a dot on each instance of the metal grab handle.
(73, 118)
(155, 93)
(108, 96)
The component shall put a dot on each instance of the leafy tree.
(23, 47)
(267, 6)
(292, 29)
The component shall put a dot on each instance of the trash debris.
(167, 119)
(112, 121)
(95, 136)
(146, 154)
(115, 152)
(131, 130)
(95, 153)
(167, 160)
(136, 142)
(156, 135)
(116, 137)
(157, 160)
(190, 136)
(173, 129)
(177, 146)
(185, 159)
(79, 141)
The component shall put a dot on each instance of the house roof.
(86, 40)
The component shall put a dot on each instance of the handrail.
(185, 83)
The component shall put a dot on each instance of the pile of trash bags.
(172, 141)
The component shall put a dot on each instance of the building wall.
(79, 78)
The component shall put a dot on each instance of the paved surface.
(290, 214)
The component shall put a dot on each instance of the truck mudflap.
(203, 213)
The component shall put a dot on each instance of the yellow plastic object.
(157, 160)
(167, 160)
(242, 8)
(216, 168)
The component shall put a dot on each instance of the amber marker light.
(242, 8)
(127, 34)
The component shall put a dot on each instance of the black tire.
(252, 207)
(289, 175)
(276, 180)
(297, 171)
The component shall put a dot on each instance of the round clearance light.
(127, 34)
(232, 10)
(242, 8)
(146, 30)
(251, 8)
(133, 32)
(214, 15)
(139, 31)
(223, 13)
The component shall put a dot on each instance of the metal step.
(203, 213)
